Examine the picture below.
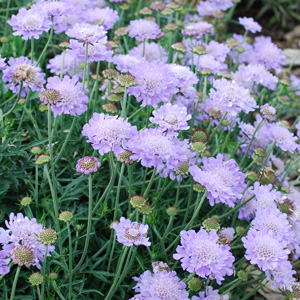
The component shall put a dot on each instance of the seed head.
(25, 201)
(65, 216)
(22, 255)
(195, 284)
(138, 201)
(210, 224)
(36, 278)
(48, 236)
(42, 159)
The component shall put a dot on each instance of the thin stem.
(46, 46)
(62, 65)
(58, 291)
(85, 65)
(18, 97)
(123, 114)
(70, 261)
(32, 50)
(44, 271)
(150, 183)
(118, 192)
(13, 290)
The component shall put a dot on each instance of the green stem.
(118, 192)
(62, 65)
(123, 114)
(85, 65)
(46, 46)
(18, 97)
(150, 183)
(269, 151)
(39, 292)
(70, 261)
(44, 272)
(57, 290)
(12, 296)
(32, 50)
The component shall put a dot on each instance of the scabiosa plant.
(88, 165)
(23, 256)
(51, 8)
(223, 179)
(131, 233)
(4, 261)
(109, 133)
(162, 285)
(171, 118)
(200, 252)
(21, 71)
(152, 52)
(265, 195)
(3, 64)
(125, 63)
(107, 17)
(50, 96)
(73, 99)
(155, 83)
(210, 294)
(250, 24)
(29, 23)
(218, 50)
(268, 112)
(154, 148)
(143, 30)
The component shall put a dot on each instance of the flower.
(51, 8)
(200, 252)
(21, 71)
(155, 83)
(223, 179)
(153, 148)
(210, 294)
(36, 278)
(283, 138)
(265, 195)
(4, 261)
(250, 24)
(66, 216)
(73, 100)
(265, 249)
(153, 52)
(107, 17)
(197, 29)
(208, 8)
(125, 62)
(268, 112)
(109, 133)
(22, 242)
(247, 211)
(3, 64)
(30, 23)
(88, 165)
(162, 285)
(209, 63)
(218, 50)
(131, 233)
(50, 96)
(143, 30)
(86, 33)
(171, 118)
(227, 233)
(48, 236)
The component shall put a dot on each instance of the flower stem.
(44, 271)
(13, 290)
(45, 48)
(85, 65)
(18, 97)
(150, 183)
(70, 261)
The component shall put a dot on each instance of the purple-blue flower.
(143, 30)
(250, 24)
(153, 52)
(107, 17)
(88, 165)
(265, 195)
(201, 252)
(3, 64)
(210, 294)
(125, 62)
(4, 261)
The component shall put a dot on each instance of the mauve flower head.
(131, 233)
(208, 8)
(208, 62)
(88, 165)
(143, 30)
(247, 75)
(267, 53)
(153, 52)
(4, 261)
(29, 23)
(86, 33)
(197, 29)
(107, 17)
(265, 195)
(268, 112)
(247, 211)
(186, 78)
(295, 84)
(218, 50)
(73, 100)
(171, 118)
(3, 64)
(283, 138)
(155, 83)
(236, 98)
(210, 294)
(51, 8)
(20, 70)
(201, 252)
(250, 24)
(159, 266)
(22, 231)
(265, 249)
(154, 148)
(96, 52)
(162, 285)
(125, 62)
(222, 178)
(227, 233)
(109, 133)
(69, 19)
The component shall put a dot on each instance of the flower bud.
(195, 284)
(42, 159)
(36, 150)
(210, 224)
(146, 209)
(36, 278)
(110, 108)
(25, 201)
(65, 216)
(48, 236)
(137, 201)
(52, 276)
(267, 176)
(172, 211)
(179, 47)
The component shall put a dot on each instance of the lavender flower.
(227, 233)
(265, 195)
(29, 23)
(88, 165)
(107, 17)
(155, 149)
(265, 249)
(131, 233)
(125, 62)
(109, 133)
(155, 83)
(143, 30)
(3, 64)
(69, 19)
(51, 8)
(162, 285)
(208, 8)
(223, 179)
(250, 24)
(283, 138)
(201, 253)
(218, 50)
(4, 261)
(153, 52)
(21, 71)
(247, 211)
(171, 118)
(268, 112)
(210, 294)
(197, 29)
(86, 33)
(73, 99)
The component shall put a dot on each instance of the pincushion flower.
(153, 52)
(247, 211)
(208, 8)
(88, 165)
(73, 100)
(223, 179)
(265, 195)
(210, 294)
(200, 252)
(208, 62)
(109, 133)
(171, 118)
(268, 112)
(125, 62)
(22, 231)
(184, 75)
(86, 33)
(283, 138)
(68, 20)
(21, 71)
(3, 64)
(4, 261)
(107, 17)
(197, 29)
(154, 148)
(29, 23)
(155, 83)
(218, 50)
(143, 30)
(51, 8)
(131, 233)
(250, 24)
(162, 285)
(265, 249)
(227, 233)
